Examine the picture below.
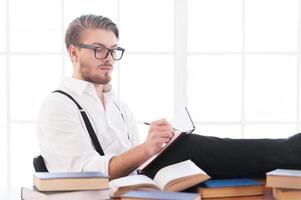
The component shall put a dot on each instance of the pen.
(147, 123)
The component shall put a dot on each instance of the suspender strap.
(87, 123)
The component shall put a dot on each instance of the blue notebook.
(216, 183)
(216, 188)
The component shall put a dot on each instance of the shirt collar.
(80, 86)
(76, 85)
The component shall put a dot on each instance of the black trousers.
(232, 158)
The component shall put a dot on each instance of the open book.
(177, 136)
(172, 178)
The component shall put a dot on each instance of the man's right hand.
(159, 133)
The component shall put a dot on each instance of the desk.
(15, 194)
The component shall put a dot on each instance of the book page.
(124, 184)
(131, 180)
(176, 171)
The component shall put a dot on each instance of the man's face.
(90, 68)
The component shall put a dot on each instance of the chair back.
(39, 164)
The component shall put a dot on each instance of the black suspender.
(87, 123)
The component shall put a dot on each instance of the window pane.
(76, 8)
(271, 88)
(2, 25)
(32, 78)
(269, 131)
(214, 87)
(214, 25)
(146, 84)
(35, 26)
(143, 131)
(267, 29)
(23, 147)
(3, 122)
(150, 27)
(223, 131)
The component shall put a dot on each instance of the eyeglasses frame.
(94, 48)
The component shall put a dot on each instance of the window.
(3, 121)
(268, 31)
(215, 25)
(3, 26)
(38, 31)
(152, 80)
(243, 67)
(27, 76)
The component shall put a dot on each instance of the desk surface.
(14, 194)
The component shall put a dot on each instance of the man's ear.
(73, 53)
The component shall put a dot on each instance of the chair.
(39, 164)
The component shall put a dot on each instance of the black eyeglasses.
(101, 52)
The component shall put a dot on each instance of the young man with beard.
(92, 44)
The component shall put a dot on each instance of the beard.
(97, 78)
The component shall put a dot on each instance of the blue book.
(216, 188)
(159, 195)
(216, 183)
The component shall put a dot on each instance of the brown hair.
(78, 25)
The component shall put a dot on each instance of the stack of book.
(286, 184)
(216, 188)
(67, 186)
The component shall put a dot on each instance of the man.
(92, 44)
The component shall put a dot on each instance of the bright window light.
(76, 8)
(269, 130)
(3, 122)
(150, 27)
(214, 25)
(148, 88)
(32, 78)
(271, 25)
(271, 88)
(35, 28)
(214, 87)
(23, 147)
(2, 25)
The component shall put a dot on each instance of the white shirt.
(63, 138)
